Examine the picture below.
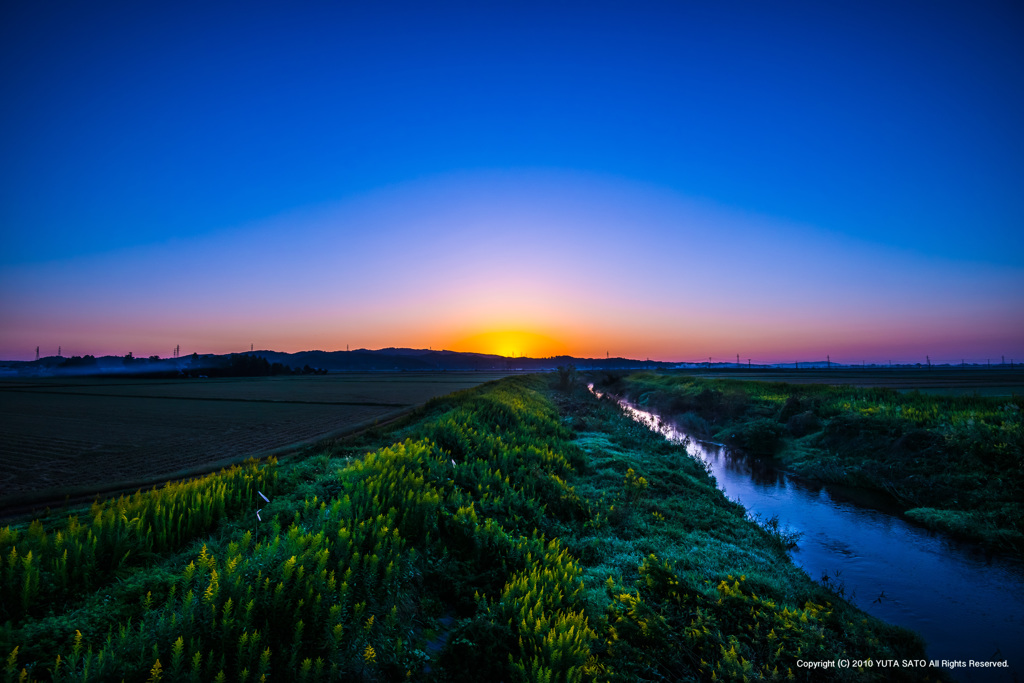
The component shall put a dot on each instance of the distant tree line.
(246, 365)
(78, 362)
(235, 365)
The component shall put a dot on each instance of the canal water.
(966, 603)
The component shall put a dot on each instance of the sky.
(674, 181)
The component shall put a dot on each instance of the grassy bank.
(955, 464)
(511, 532)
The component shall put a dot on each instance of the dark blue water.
(966, 603)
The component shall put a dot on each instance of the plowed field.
(74, 436)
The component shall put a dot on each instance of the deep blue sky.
(128, 124)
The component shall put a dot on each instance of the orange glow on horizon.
(511, 343)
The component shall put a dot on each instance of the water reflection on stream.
(966, 604)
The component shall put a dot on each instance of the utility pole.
(37, 353)
(737, 360)
(828, 360)
(250, 348)
(928, 360)
(59, 351)
(748, 364)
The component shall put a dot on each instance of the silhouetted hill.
(264, 362)
(365, 360)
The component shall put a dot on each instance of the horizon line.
(708, 361)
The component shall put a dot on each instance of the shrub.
(803, 424)
(759, 437)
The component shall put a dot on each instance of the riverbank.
(953, 464)
(511, 532)
(893, 569)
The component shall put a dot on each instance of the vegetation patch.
(516, 532)
(955, 464)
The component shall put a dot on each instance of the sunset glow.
(511, 343)
(652, 201)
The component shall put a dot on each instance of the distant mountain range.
(266, 362)
(359, 360)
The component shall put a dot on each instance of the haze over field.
(662, 182)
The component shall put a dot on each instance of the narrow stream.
(967, 604)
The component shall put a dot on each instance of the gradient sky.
(664, 180)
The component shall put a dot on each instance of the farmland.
(999, 380)
(68, 437)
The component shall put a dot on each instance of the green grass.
(955, 463)
(565, 543)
